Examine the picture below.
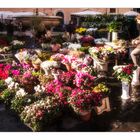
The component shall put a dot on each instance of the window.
(112, 10)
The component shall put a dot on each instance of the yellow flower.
(51, 59)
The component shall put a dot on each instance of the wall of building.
(66, 11)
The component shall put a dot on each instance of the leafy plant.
(114, 26)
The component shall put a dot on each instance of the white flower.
(11, 85)
(47, 65)
(17, 42)
(39, 88)
(8, 80)
(21, 92)
(74, 46)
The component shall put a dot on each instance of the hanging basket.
(125, 90)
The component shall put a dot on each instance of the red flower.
(39, 114)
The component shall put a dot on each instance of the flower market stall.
(40, 89)
(41, 84)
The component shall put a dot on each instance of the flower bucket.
(105, 107)
(125, 90)
(135, 79)
(101, 66)
(114, 36)
(85, 115)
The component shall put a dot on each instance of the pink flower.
(15, 72)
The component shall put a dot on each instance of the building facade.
(65, 13)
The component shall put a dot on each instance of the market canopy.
(6, 14)
(131, 13)
(25, 14)
(87, 13)
(10, 15)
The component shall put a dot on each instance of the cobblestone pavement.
(124, 117)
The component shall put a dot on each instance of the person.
(66, 36)
(48, 34)
(136, 52)
(10, 28)
(71, 29)
(136, 44)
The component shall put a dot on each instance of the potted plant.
(41, 113)
(82, 102)
(113, 28)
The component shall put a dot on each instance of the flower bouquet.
(102, 54)
(124, 72)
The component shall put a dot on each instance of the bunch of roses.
(124, 73)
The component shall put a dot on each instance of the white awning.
(25, 14)
(131, 13)
(87, 13)
(10, 15)
(6, 15)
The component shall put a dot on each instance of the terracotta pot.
(85, 115)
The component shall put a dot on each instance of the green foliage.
(18, 103)
(7, 95)
(114, 26)
(84, 49)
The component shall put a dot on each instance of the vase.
(114, 36)
(105, 106)
(135, 79)
(125, 90)
(101, 66)
(85, 115)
